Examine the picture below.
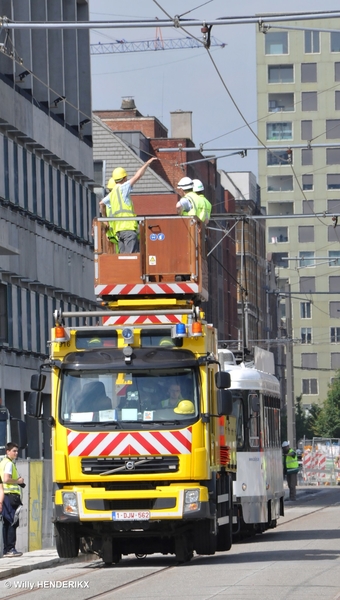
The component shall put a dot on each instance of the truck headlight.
(191, 500)
(70, 504)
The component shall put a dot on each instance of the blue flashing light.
(180, 330)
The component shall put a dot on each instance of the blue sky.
(164, 81)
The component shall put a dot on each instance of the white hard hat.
(285, 444)
(185, 183)
(198, 185)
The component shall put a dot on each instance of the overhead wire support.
(268, 18)
(156, 45)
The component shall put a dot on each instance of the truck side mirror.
(19, 433)
(34, 404)
(224, 403)
(222, 380)
(38, 382)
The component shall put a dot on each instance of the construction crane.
(150, 45)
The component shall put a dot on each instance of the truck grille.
(130, 465)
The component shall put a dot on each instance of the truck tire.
(205, 539)
(67, 542)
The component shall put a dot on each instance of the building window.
(334, 283)
(280, 259)
(335, 360)
(305, 310)
(34, 183)
(308, 73)
(332, 129)
(335, 335)
(337, 100)
(276, 42)
(307, 182)
(280, 74)
(333, 235)
(277, 235)
(309, 386)
(280, 208)
(42, 189)
(333, 206)
(308, 207)
(24, 176)
(28, 321)
(307, 156)
(307, 285)
(312, 42)
(306, 259)
(334, 258)
(333, 156)
(333, 181)
(280, 183)
(99, 173)
(306, 335)
(334, 310)
(309, 360)
(335, 41)
(51, 192)
(309, 101)
(278, 157)
(16, 173)
(279, 131)
(306, 130)
(280, 102)
(306, 233)
(337, 71)
(3, 314)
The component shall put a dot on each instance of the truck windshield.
(146, 396)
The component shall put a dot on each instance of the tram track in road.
(82, 576)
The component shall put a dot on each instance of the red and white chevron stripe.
(137, 443)
(146, 319)
(184, 287)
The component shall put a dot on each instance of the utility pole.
(289, 370)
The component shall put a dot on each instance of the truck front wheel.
(205, 538)
(67, 542)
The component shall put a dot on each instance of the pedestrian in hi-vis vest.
(12, 484)
(119, 204)
(290, 468)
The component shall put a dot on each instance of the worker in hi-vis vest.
(12, 483)
(119, 204)
(192, 203)
(290, 468)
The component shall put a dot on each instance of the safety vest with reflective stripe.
(292, 463)
(121, 208)
(9, 488)
(198, 204)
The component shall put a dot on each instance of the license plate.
(131, 515)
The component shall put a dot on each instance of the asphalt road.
(298, 560)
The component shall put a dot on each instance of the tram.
(258, 489)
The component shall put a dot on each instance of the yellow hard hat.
(94, 343)
(111, 184)
(119, 173)
(185, 407)
(166, 342)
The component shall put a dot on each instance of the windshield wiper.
(103, 423)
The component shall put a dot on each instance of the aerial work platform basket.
(171, 261)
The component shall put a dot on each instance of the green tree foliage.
(327, 422)
(300, 419)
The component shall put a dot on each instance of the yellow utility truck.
(144, 442)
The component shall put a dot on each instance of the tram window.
(239, 414)
(254, 420)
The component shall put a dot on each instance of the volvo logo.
(130, 465)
